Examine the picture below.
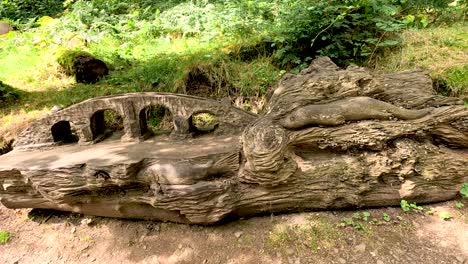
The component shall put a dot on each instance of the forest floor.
(385, 235)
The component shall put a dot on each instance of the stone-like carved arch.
(62, 132)
(128, 106)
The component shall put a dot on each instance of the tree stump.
(328, 138)
(84, 66)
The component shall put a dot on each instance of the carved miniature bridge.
(86, 119)
(328, 138)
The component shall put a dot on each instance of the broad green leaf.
(388, 43)
(408, 19)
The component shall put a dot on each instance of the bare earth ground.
(45, 236)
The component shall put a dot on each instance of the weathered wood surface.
(328, 138)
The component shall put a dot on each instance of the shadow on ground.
(311, 237)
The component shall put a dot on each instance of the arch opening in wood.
(62, 132)
(203, 123)
(106, 123)
(156, 120)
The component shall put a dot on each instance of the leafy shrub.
(421, 6)
(350, 31)
(347, 31)
(24, 10)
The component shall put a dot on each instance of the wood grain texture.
(378, 139)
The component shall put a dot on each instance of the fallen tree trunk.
(329, 138)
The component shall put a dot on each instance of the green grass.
(456, 80)
(439, 50)
(4, 237)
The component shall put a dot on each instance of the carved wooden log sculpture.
(328, 138)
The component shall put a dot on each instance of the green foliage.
(406, 206)
(24, 10)
(112, 120)
(364, 216)
(354, 221)
(67, 59)
(459, 204)
(386, 217)
(422, 6)
(8, 93)
(204, 121)
(158, 119)
(464, 190)
(351, 31)
(4, 237)
(440, 51)
(346, 221)
(456, 80)
(445, 216)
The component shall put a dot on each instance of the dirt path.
(42, 236)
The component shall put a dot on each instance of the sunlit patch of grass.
(456, 80)
(439, 50)
(315, 235)
(204, 120)
(434, 49)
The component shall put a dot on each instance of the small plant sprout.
(430, 211)
(406, 206)
(4, 237)
(445, 216)
(346, 221)
(365, 216)
(386, 217)
(459, 204)
(464, 190)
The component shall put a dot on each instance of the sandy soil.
(44, 236)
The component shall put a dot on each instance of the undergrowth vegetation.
(233, 48)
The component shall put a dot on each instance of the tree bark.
(328, 138)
